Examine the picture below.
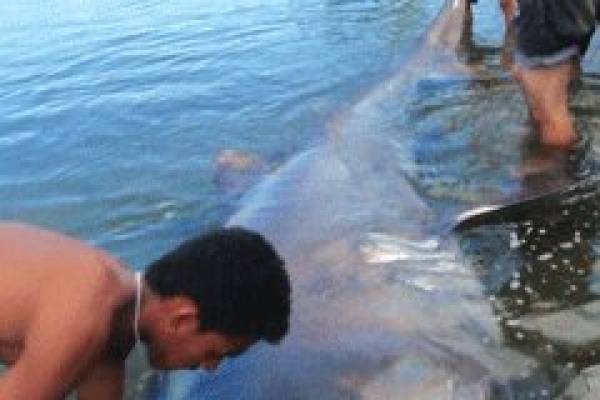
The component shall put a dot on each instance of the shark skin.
(380, 307)
(383, 307)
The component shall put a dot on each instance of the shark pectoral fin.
(526, 205)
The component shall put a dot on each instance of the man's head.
(216, 295)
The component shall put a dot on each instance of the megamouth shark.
(383, 306)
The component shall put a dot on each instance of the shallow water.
(114, 113)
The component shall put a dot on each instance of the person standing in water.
(552, 35)
(544, 42)
(551, 38)
(71, 313)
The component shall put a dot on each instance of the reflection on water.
(541, 276)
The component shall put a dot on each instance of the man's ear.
(183, 315)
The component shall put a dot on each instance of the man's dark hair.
(237, 279)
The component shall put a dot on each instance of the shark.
(384, 306)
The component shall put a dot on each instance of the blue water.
(113, 112)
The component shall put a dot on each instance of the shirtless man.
(70, 313)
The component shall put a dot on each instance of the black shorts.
(549, 32)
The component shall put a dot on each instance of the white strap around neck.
(138, 306)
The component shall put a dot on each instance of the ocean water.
(114, 112)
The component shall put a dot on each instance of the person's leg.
(551, 36)
(546, 91)
(509, 9)
(467, 33)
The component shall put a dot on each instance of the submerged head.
(213, 297)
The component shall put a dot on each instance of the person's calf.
(509, 9)
(546, 93)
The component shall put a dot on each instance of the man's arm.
(104, 381)
(64, 341)
(52, 363)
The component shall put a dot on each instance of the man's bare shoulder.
(63, 263)
(20, 234)
(31, 245)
